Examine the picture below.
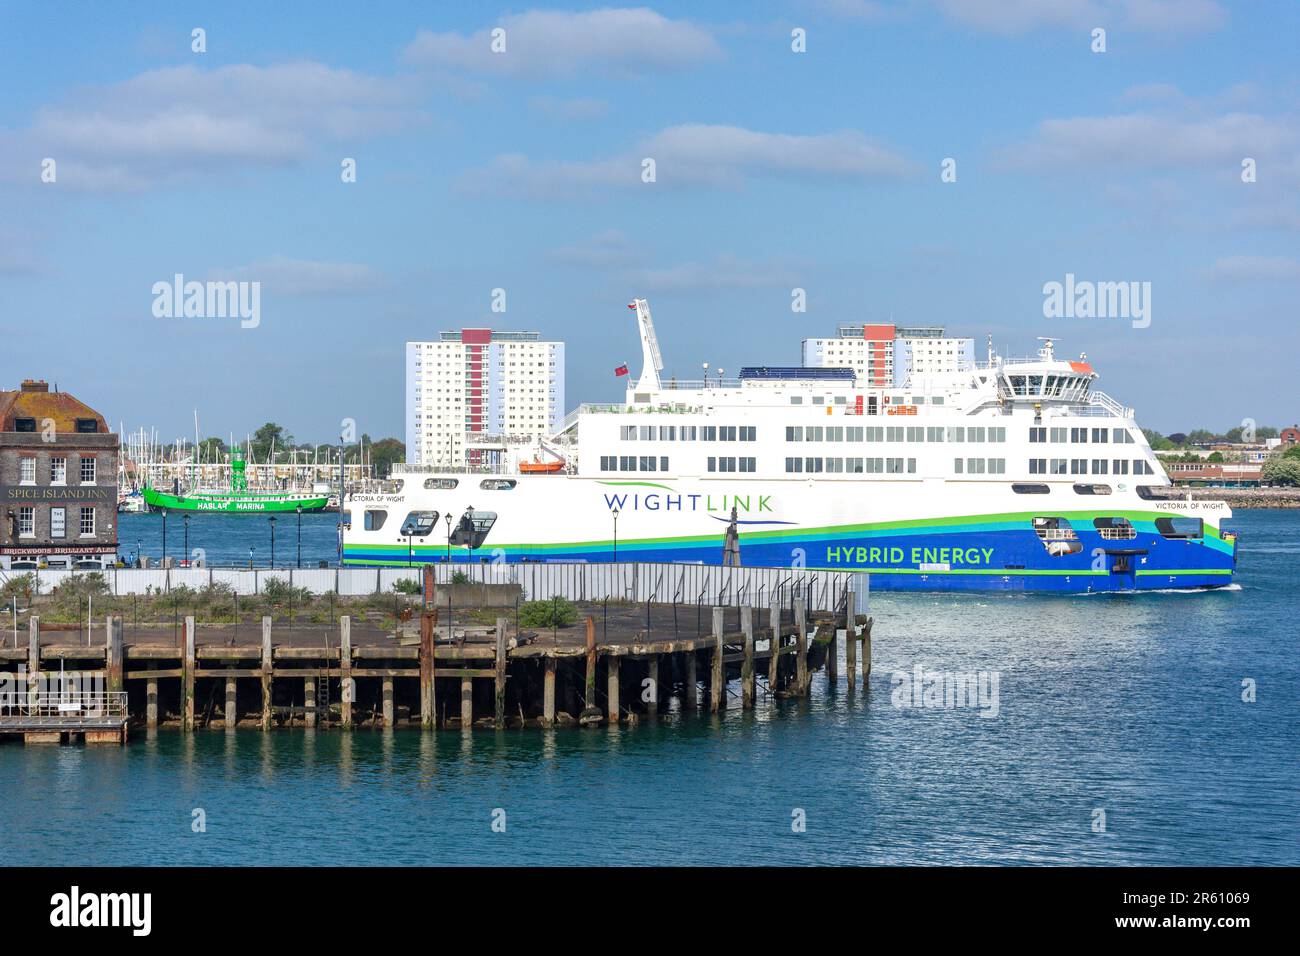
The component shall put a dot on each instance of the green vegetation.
(555, 612)
(1283, 470)
(1201, 436)
(407, 586)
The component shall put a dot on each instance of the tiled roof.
(63, 408)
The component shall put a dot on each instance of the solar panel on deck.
(797, 373)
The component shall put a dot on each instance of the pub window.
(27, 471)
(87, 471)
(26, 521)
(87, 426)
(24, 424)
(58, 471)
(87, 522)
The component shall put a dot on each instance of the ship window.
(1114, 529)
(1176, 526)
(1149, 493)
(497, 484)
(375, 519)
(443, 484)
(473, 528)
(1057, 536)
(419, 524)
(1092, 489)
(1027, 488)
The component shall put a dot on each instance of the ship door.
(1123, 571)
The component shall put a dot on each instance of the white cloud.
(694, 155)
(171, 122)
(610, 248)
(1254, 268)
(1148, 140)
(722, 273)
(1023, 16)
(553, 43)
(569, 110)
(283, 275)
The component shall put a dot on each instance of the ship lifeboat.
(536, 467)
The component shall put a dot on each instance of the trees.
(1157, 441)
(211, 449)
(1281, 470)
(269, 436)
(384, 453)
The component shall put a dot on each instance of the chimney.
(35, 385)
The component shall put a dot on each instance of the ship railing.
(1118, 534)
(662, 408)
(1057, 534)
(1098, 398)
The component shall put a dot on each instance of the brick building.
(58, 481)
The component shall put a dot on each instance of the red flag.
(621, 370)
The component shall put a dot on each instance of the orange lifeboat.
(536, 467)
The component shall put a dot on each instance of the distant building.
(1194, 473)
(58, 481)
(888, 356)
(1289, 436)
(473, 386)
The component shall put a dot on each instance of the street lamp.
(139, 545)
(272, 520)
(299, 510)
(614, 511)
(449, 537)
(250, 559)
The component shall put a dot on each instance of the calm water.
(1131, 704)
(225, 539)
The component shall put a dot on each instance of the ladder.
(323, 695)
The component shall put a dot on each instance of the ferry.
(1010, 475)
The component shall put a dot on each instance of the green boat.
(238, 500)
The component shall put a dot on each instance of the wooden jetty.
(622, 662)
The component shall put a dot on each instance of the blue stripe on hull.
(978, 561)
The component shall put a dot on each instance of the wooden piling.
(747, 687)
(652, 672)
(151, 699)
(230, 715)
(266, 673)
(774, 662)
(591, 714)
(347, 688)
(851, 645)
(309, 701)
(33, 660)
(499, 717)
(548, 693)
(866, 652)
(717, 680)
(802, 683)
(113, 653)
(187, 677)
(692, 689)
(466, 702)
(833, 658)
(428, 620)
(612, 663)
(389, 711)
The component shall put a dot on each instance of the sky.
(524, 170)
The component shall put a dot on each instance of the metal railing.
(64, 705)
